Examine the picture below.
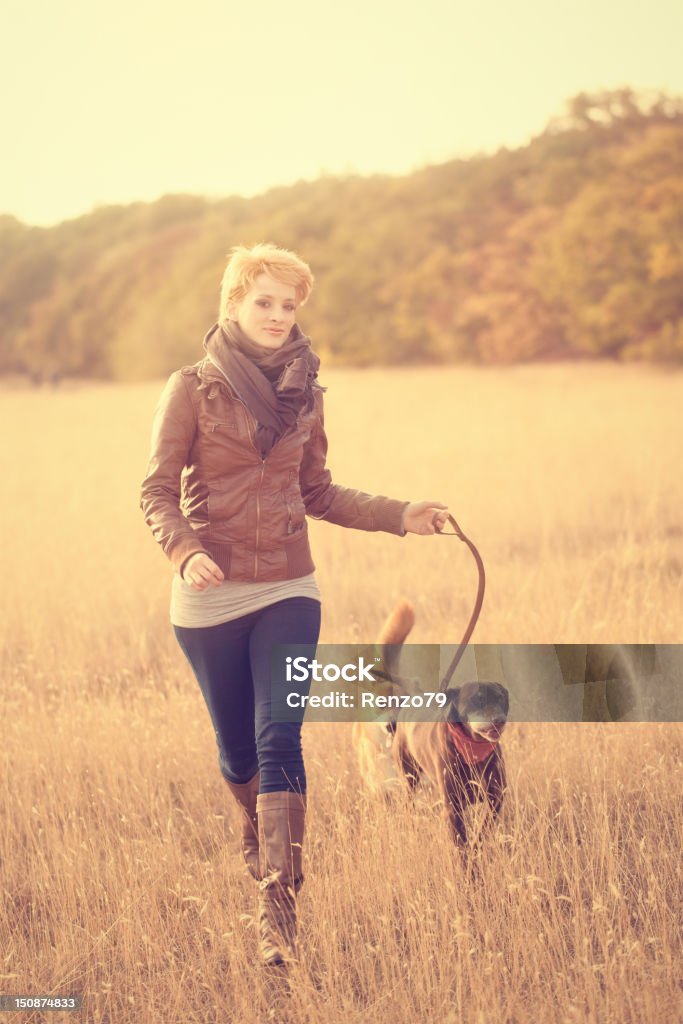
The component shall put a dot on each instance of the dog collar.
(472, 751)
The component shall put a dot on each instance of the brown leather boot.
(245, 794)
(281, 820)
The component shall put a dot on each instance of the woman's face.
(267, 313)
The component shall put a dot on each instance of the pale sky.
(113, 102)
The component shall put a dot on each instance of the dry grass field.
(121, 878)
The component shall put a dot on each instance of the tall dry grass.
(120, 872)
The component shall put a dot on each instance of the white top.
(195, 609)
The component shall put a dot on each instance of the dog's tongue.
(472, 751)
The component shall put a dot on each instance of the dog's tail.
(399, 624)
(393, 633)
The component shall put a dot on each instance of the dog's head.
(481, 708)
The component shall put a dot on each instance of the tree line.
(569, 247)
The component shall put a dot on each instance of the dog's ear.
(452, 708)
(503, 693)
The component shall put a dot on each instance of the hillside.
(568, 248)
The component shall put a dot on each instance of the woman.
(237, 463)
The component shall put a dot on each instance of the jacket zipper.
(258, 517)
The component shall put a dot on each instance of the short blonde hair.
(245, 265)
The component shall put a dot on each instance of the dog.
(460, 753)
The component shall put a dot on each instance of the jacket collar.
(208, 373)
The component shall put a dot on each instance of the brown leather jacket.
(208, 489)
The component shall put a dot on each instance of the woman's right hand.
(199, 571)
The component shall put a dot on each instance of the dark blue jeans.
(232, 664)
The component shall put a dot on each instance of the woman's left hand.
(425, 517)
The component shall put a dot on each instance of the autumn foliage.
(570, 247)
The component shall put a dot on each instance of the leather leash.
(477, 604)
